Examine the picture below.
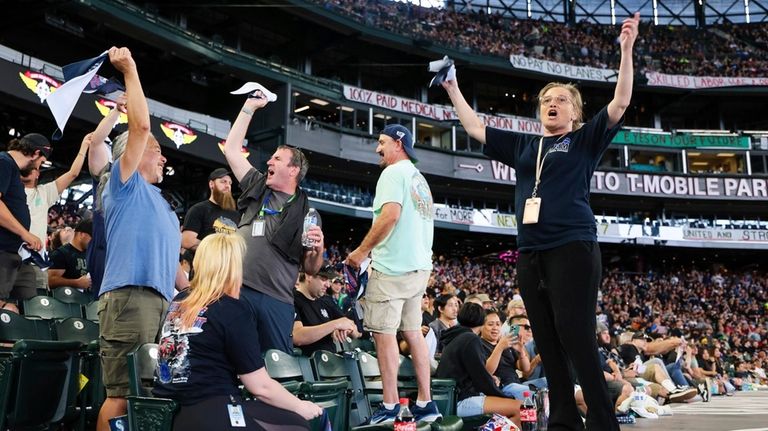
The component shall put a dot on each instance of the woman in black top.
(559, 268)
(209, 346)
(463, 359)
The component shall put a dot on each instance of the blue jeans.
(273, 318)
(516, 390)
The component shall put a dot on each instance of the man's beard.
(223, 199)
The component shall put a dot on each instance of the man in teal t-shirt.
(400, 244)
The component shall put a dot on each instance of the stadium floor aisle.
(745, 411)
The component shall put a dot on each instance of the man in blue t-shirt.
(22, 157)
(143, 243)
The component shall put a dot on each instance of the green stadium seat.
(76, 329)
(70, 295)
(48, 308)
(22, 404)
(295, 374)
(14, 327)
(443, 390)
(92, 311)
(93, 393)
(329, 366)
(145, 412)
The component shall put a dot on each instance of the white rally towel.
(76, 76)
(251, 88)
(445, 69)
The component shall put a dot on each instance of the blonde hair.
(577, 103)
(218, 267)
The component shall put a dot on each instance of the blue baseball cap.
(402, 134)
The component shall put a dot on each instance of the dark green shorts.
(128, 317)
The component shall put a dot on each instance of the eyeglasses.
(560, 100)
(526, 327)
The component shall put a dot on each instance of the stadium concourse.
(143, 183)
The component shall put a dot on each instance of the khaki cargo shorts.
(393, 302)
(128, 317)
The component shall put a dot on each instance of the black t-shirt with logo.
(571, 159)
(14, 197)
(71, 260)
(202, 216)
(313, 313)
(197, 363)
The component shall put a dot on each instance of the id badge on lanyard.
(236, 416)
(258, 228)
(533, 203)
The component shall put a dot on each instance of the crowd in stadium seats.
(725, 50)
(338, 193)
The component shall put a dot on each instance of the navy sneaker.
(382, 415)
(428, 413)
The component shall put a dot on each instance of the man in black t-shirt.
(201, 218)
(319, 322)
(70, 267)
(22, 157)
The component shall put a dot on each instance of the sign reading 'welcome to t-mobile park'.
(636, 184)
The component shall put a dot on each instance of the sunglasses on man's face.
(526, 327)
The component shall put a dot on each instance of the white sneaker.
(660, 411)
(644, 413)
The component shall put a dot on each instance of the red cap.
(526, 394)
(404, 401)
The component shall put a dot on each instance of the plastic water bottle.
(309, 220)
(405, 421)
(528, 420)
(542, 408)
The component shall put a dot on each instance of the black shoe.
(680, 395)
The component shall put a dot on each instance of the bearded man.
(201, 219)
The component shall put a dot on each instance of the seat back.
(14, 327)
(443, 390)
(282, 366)
(76, 329)
(369, 368)
(69, 295)
(329, 366)
(334, 398)
(56, 363)
(91, 310)
(45, 307)
(141, 370)
(145, 412)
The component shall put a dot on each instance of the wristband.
(247, 111)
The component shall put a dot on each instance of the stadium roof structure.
(698, 13)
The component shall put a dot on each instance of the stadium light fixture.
(725, 154)
(319, 102)
(694, 154)
(347, 109)
(700, 163)
(302, 109)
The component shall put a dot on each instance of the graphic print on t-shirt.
(173, 350)
(561, 147)
(421, 196)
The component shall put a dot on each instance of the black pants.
(212, 414)
(559, 287)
